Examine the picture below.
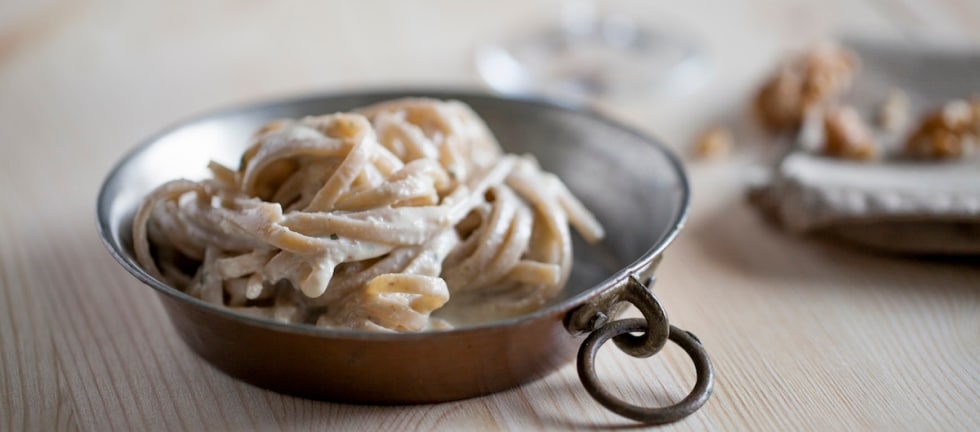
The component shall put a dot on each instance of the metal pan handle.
(654, 331)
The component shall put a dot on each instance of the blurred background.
(172, 59)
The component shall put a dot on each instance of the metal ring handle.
(657, 327)
(698, 396)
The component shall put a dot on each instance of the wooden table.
(805, 334)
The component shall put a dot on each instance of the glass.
(588, 54)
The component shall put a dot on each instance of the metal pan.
(636, 188)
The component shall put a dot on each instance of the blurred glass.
(588, 54)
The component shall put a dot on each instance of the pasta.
(401, 216)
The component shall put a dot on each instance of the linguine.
(401, 216)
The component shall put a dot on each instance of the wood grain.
(805, 334)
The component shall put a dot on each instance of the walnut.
(949, 132)
(813, 79)
(846, 136)
(713, 143)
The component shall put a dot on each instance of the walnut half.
(713, 143)
(846, 136)
(813, 79)
(949, 132)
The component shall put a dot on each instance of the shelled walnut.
(847, 136)
(813, 79)
(713, 143)
(952, 131)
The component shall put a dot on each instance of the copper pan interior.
(635, 187)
